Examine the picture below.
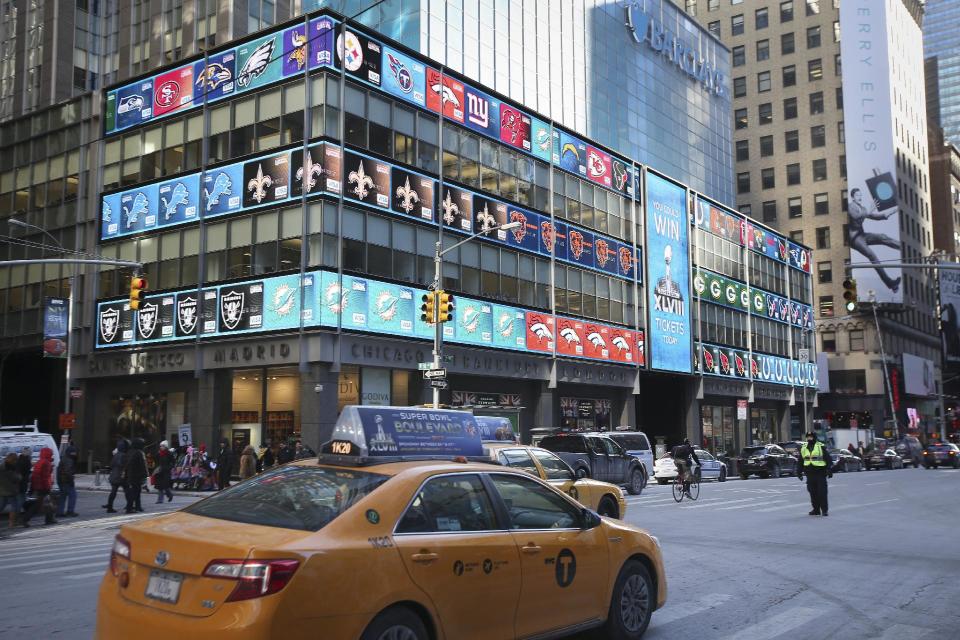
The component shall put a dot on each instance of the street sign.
(439, 384)
(76, 394)
(741, 409)
(424, 366)
(804, 355)
(68, 420)
(435, 374)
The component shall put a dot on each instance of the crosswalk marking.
(43, 552)
(699, 505)
(864, 504)
(672, 613)
(792, 505)
(63, 562)
(778, 624)
(904, 632)
(89, 565)
(747, 506)
(85, 576)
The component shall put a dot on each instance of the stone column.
(318, 405)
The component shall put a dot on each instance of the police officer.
(815, 462)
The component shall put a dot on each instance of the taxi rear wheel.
(632, 603)
(396, 623)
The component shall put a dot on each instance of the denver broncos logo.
(540, 329)
(621, 344)
(570, 335)
(596, 340)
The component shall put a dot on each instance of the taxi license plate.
(164, 586)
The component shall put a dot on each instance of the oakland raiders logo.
(147, 320)
(231, 309)
(109, 323)
(187, 314)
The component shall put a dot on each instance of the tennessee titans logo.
(222, 186)
(400, 73)
(177, 198)
(138, 208)
(256, 64)
(213, 76)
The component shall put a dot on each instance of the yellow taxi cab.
(396, 531)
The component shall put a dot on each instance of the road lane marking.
(904, 632)
(672, 613)
(70, 567)
(865, 504)
(747, 506)
(873, 484)
(792, 505)
(42, 553)
(698, 506)
(84, 576)
(33, 563)
(777, 625)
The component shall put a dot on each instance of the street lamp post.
(436, 286)
(886, 378)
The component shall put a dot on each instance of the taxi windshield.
(293, 497)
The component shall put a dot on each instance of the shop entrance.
(585, 414)
(265, 406)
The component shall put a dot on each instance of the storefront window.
(718, 425)
(763, 426)
(373, 386)
(149, 416)
(265, 406)
(585, 414)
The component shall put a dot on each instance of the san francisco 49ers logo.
(626, 260)
(547, 235)
(519, 232)
(576, 244)
(602, 249)
(168, 93)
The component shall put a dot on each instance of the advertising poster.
(580, 247)
(308, 300)
(623, 345)
(216, 78)
(332, 167)
(570, 153)
(362, 55)
(598, 341)
(919, 375)
(222, 189)
(138, 209)
(620, 177)
(509, 327)
(483, 112)
(281, 302)
(179, 200)
(392, 431)
(295, 50)
(413, 194)
(266, 180)
(799, 257)
(525, 236)
(571, 336)
(56, 313)
(514, 127)
(209, 311)
(404, 77)
(322, 32)
(307, 172)
(668, 266)
(155, 318)
(605, 252)
(628, 262)
(173, 90)
(114, 323)
(541, 143)
(449, 93)
(367, 180)
(355, 295)
(456, 209)
(110, 216)
(187, 314)
(240, 307)
(719, 222)
(540, 331)
(488, 214)
(950, 313)
(474, 322)
(390, 308)
(599, 167)
(259, 62)
(553, 238)
(134, 104)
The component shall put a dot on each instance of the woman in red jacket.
(41, 483)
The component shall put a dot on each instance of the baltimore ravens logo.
(147, 320)
(167, 93)
(187, 314)
(214, 75)
(231, 308)
(109, 323)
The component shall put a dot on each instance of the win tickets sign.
(668, 268)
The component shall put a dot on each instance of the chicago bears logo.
(520, 232)
(576, 244)
(626, 260)
(167, 94)
(602, 250)
(547, 235)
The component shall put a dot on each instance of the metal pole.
(116, 263)
(886, 377)
(437, 325)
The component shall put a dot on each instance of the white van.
(13, 439)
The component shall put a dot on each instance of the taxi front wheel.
(632, 603)
(396, 623)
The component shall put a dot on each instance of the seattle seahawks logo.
(231, 308)
(222, 186)
(187, 314)
(256, 64)
(130, 103)
(177, 198)
(138, 208)
(284, 300)
(109, 323)
(400, 73)
(213, 75)
(147, 320)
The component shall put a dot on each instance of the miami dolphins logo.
(470, 319)
(336, 298)
(284, 300)
(505, 324)
(386, 306)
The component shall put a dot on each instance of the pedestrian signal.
(137, 286)
(850, 294)
(444, 306)
(428, 310)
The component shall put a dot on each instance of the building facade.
(941, 48)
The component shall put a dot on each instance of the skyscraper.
(941, 48)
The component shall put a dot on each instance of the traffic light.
(850, 294)
(428, 310)
(444, 306)
(137, 286)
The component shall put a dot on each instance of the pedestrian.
(286, 453)
(10, 488)
(861, 450)
(24, 464)
(852, 449)
(134, 474)
(161, 473)
(41, 483)
(116, 472)
(267, 457)
(224, 464)
(66, 480)
(248, 463)
(816, 465)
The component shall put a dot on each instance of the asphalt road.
(744, 562)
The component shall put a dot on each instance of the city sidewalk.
(88, 482)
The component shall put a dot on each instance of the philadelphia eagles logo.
(256, 64)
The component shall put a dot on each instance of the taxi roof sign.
(495, 429)
(368, 434)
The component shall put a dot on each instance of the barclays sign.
(646, 29)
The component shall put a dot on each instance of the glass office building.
(941, 49)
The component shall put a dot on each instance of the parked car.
(843, 460)
(637, 444)
(766, 461)
(886, 459)
(941, 454)
(596, 456)
(665, 470)
(911, 451)
(792, 447)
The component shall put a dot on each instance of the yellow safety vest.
(812, 458)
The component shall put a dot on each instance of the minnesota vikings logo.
(138, 208)
(147, 320)
(595, 165)
(222, 186)
(231, 308)
(299, 53)
(258, 185)
(400, 73)
(602, 250)
(386, 306)
(569, 335)
(520, 232)
(626, 260)
(284, 300)
(256, 64)
(336, 298)
(505, 325)
(311, 170)
(450, 210)
(620, 175)
(187, 314)
(168, 93)
(547, 235)
(407, 196)
(486, 221)
(177, 198)
(470, 319)
(576, 244)
(109, 323)
(213, 75)
(363, 182)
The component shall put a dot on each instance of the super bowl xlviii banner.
(668, 279)
(874, 226)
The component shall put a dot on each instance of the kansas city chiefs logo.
(147, 320)
(109, 323)
(231, 308)
(187, 314)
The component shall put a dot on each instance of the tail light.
(120, 549)
(254, 578)
(924, 453)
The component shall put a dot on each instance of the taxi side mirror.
(589, 519)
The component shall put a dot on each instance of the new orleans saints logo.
(450, 210)
(363, 182)
(259, 184)
(407, 196)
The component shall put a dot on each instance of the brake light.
(254, 578)
(924, 453)
(120, 549)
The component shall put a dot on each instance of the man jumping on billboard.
(862, 240)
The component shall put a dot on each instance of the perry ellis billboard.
(874, 223)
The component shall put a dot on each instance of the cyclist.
(682, 456)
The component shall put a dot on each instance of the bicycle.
(688, 488)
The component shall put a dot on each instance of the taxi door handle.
(425, 558)
(531, 548)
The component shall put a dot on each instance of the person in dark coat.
(10, 488)
(116, 472)
(134, 474)
(161, 474)
(66, 480)
(224, 464)
(286, 453)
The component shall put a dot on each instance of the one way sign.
(435, 374)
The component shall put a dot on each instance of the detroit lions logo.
(213, 75)
(179, 197)
(139, 207)
(107, 212)
(256, 64)
(222, 186)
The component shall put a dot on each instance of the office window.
(770, 211)
(789, 75)
(743, 182)
(740, 118)
(793, 174)
(813, 7)
(743, 150)
(823, 238)
(828, 339)
(818, 136)
(736, 25)
(787, 43)
(789, 108)
(815, 69)
(766, 146)
(824, 269)
(821, 204)
(839, 97)
(843, 166)
(763, 50)
(837, 65)
(816, 103)
(797, 235)
(819, 170)
(691, 7)
(740, 87)
(826, 306)
(841, 133)
(714, 28)
(791, 140)
(786, 11)
(763, 18)
(836, 31)
(844, 205)
(713, 5)
(739, 56)
(765, 112)
(745, 209)
(767, 178)
(795, 207)
(813, 37)
(736, 2)
(856, 339)
(763, 81)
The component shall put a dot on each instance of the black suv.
(599, 457)
(767, 461)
